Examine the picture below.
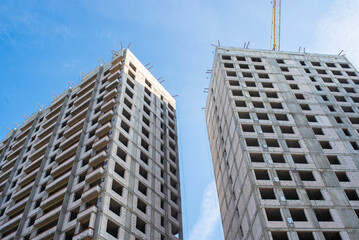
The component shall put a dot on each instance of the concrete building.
(283, 131)
(100, 162)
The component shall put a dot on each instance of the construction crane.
(275, 32)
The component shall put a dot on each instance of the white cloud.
(339, 30)
(209, 215)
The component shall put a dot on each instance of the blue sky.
(44, 44)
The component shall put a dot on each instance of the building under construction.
(100, 162)
(284, 136)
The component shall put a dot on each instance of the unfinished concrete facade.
(283, 131)
(100, 162)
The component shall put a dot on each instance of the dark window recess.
(231, 74)
(262, 116)
(233, 83)
(123, 140)
(272, 142)
(267, 129)
(290, 194)
(311, 118)
(121, 154)
(284, 175)
(277, 158)
(252, 142)
(247, 128)
(287, 129)
(228, 65)
(115, 207)
(112, 228)
(299, 96)
(267, 85)
(120, 170)
(141, 225)
(355, 145)
(241, 104)
(141, 205)
(314, 194)
(342, 177)
(273, 214)
(332, 236)
(318, 131)
(323, 215)
(276, 105)
(305, 236)
(225, 57)
(333, 159)
(256, 157)
(258, 104)
(293, 143)
(306, 175)
(244, 115)
(142, 188)
(272, 95)
(298, 214)
(352, 194)
(237, 93)
(325, 144)
(261, 174)
(117, 187)
(256, 59)
(305, 107)
(279, 235)
(239, 58)
(254, 94)
(281, 117)
(299, 159)
(267, 193)
(244, 66)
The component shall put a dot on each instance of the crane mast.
(275, 32)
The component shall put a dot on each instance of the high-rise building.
(283, 132)
(100, 162)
